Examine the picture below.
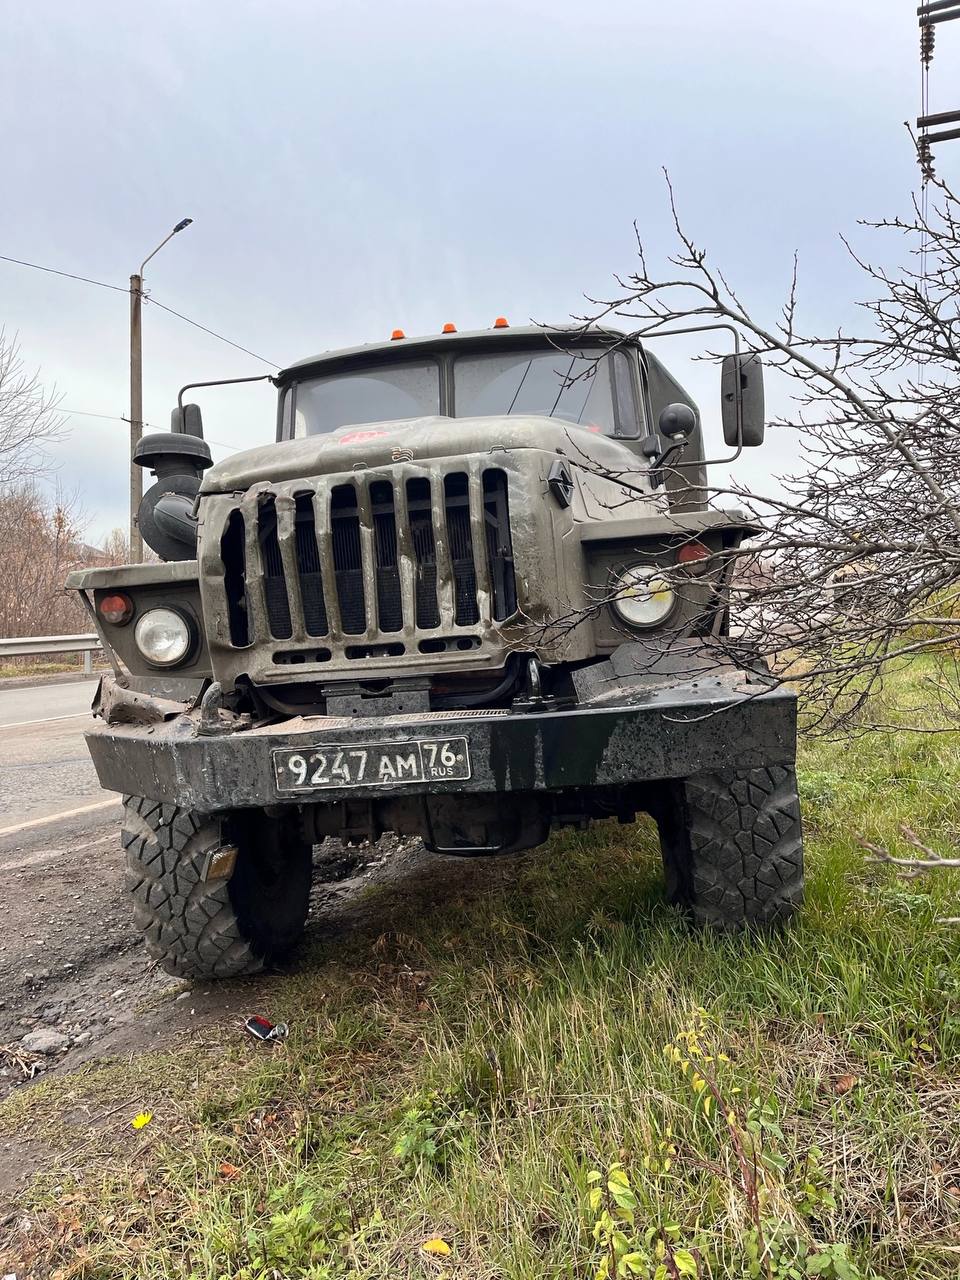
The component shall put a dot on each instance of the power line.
(148, 298)
(113, 417)
(102, 284)
(109, 417)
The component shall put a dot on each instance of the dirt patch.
(74, 973)
(71, 964)
(19, 1160)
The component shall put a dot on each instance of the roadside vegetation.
(552, 1076)
(41, 523)
(21, 668)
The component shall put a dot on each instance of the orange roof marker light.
(449, 328)
(397, 333)
(501, 322)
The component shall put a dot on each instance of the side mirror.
(741, 400)
(188, 422)
(677, 421)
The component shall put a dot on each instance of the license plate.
(374, 764)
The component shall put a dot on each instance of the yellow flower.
(142, 1120)
(436, 1246)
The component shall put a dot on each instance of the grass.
(460, 1080)
(23, 667)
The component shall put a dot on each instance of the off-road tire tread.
(733, 847)
(189, 923)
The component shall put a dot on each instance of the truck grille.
(373, 567)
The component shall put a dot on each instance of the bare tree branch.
(911, 867)
(858, 562)
(28, 417)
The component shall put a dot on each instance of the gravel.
(45, 1040)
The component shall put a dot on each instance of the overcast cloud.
(351, 167)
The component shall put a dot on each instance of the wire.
(117, 288)
(109, 417)
(113, 417)
(197, 325)
(101, 284)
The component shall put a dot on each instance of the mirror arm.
(222, 382)
(701, 328)
(667, 455)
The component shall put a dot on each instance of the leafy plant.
(815, 1193)
(779, 1242)
(430, 1131)
(297, 1240)
(653, 1254)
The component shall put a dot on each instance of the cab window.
(387, 394)
(591, 388)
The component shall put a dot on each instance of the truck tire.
(732, 846)
(215, 898)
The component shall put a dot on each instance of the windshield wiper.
(520, 386)
(563, 387)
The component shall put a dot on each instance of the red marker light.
(449, 328)
(397, 333)
(690, 552)
(116, 609)
(501, 322)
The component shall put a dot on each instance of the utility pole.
(136, 391)
(929, 16)
(136, 413)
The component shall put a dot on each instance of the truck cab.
(482, 493)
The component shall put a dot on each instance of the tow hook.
(532, 698)
(213, 718)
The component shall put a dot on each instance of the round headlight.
(642, 596)
(163, 637)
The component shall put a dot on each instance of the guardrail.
(28, 646)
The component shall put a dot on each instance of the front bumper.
(639, 734)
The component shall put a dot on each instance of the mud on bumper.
(631, 735)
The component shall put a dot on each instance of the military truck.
(473, 591)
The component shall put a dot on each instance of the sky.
(354, 167)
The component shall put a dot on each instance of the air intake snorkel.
(178, 459)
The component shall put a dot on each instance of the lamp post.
(136, 391)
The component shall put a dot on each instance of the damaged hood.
(381, 444)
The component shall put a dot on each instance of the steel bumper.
(668, 732)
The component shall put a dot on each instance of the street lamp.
(136, 391)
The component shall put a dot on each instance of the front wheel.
(215, 896)
(732, 846)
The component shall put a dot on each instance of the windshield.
(592, 388)
(373, 395)
(552, 384)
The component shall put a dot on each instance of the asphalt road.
(44, 766)
(66, 937)
(45, 701)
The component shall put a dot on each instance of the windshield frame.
(625, 371)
